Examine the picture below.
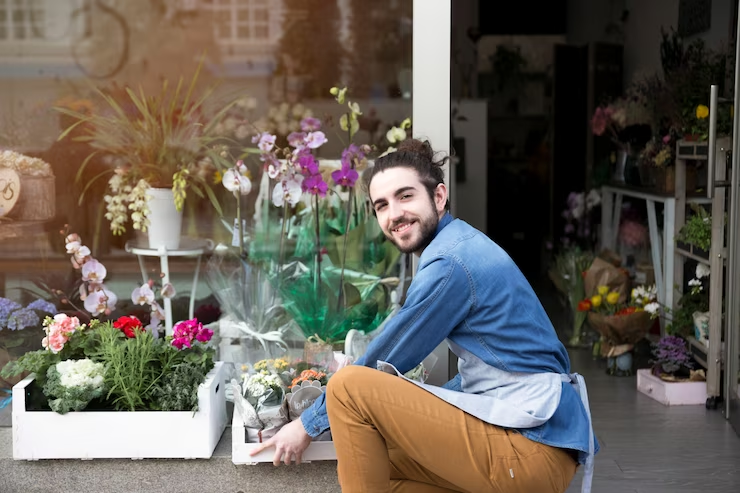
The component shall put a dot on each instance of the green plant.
(697, 230)
(159, 141)
(508, 65)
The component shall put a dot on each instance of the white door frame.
(432, 25)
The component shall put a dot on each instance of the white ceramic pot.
(165, 221)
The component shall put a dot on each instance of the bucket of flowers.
(621, 323)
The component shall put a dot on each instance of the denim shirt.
(469, 292)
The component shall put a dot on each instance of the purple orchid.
(315, 185)
(346, 176)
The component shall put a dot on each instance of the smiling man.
(513, 420)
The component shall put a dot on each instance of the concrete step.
(217, 474)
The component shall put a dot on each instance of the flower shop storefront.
(275, 274)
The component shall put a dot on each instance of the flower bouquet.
(620, 319)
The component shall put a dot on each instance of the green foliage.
(65, 399)
(697, 230)
(682, 319)
(178, 389)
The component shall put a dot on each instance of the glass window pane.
(278, 58)
(261, 15)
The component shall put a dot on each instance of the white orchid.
(236, 180)
(395, 135)
(289, 189)
(102, 301)
(143, 295)
(93, 271)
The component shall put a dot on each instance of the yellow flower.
(702, 112)
(603, 290)
(217, 177)
(612, 298)
(596, 300)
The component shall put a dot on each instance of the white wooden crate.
(671, 393)
(240, 449)
(122, 434)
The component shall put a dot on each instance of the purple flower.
(6, 308)
(20, 319)
(297, 140)
(351, 153)
(307, 164)
(315, 185)
(310, 124)
(42, 306)
(346, 176)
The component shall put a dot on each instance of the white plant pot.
(122, 434)
(671, 393)
(165, 221)
(321, 448)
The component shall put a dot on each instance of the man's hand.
(290, 441)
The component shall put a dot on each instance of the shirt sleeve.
(438, 300)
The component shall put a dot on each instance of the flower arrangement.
(152, 142)
(332, 260)
(579, 229)
(567, 274)
(25, 165)
(117, 365)
(617, 118)
(671, 358)
(659, 152)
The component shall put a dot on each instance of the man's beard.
(427, 228)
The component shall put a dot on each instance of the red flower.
(627, 311)
(128, 325)
(584, 306)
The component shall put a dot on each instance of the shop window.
(245, 21)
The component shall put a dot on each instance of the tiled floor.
(647, 447)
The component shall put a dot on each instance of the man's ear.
(440, 198)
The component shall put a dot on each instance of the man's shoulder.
(452, 236)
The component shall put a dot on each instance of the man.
(511, 421)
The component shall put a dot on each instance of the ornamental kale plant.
(671, 355)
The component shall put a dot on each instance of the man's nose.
(395, 211)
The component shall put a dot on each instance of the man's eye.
(379, 208)
(405, 196)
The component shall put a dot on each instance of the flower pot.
(620, 166)
(318, 353)
(122, 434)
(671, 393)
(165, 221)
(36, 200)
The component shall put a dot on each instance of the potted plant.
(165, 392)
(696, 232)
(157, 146)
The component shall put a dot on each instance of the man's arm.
(416, 330)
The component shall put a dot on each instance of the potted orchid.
(332, 262)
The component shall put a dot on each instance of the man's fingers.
(298, 457)
(277, 458)
(262, 446)
(286, 458)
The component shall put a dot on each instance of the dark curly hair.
(414, 154)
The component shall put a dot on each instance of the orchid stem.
(317, 254)
(239, 223)
(344, 248)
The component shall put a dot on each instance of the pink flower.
(187, 331)
(599, 121)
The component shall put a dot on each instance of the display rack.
(715, 153)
